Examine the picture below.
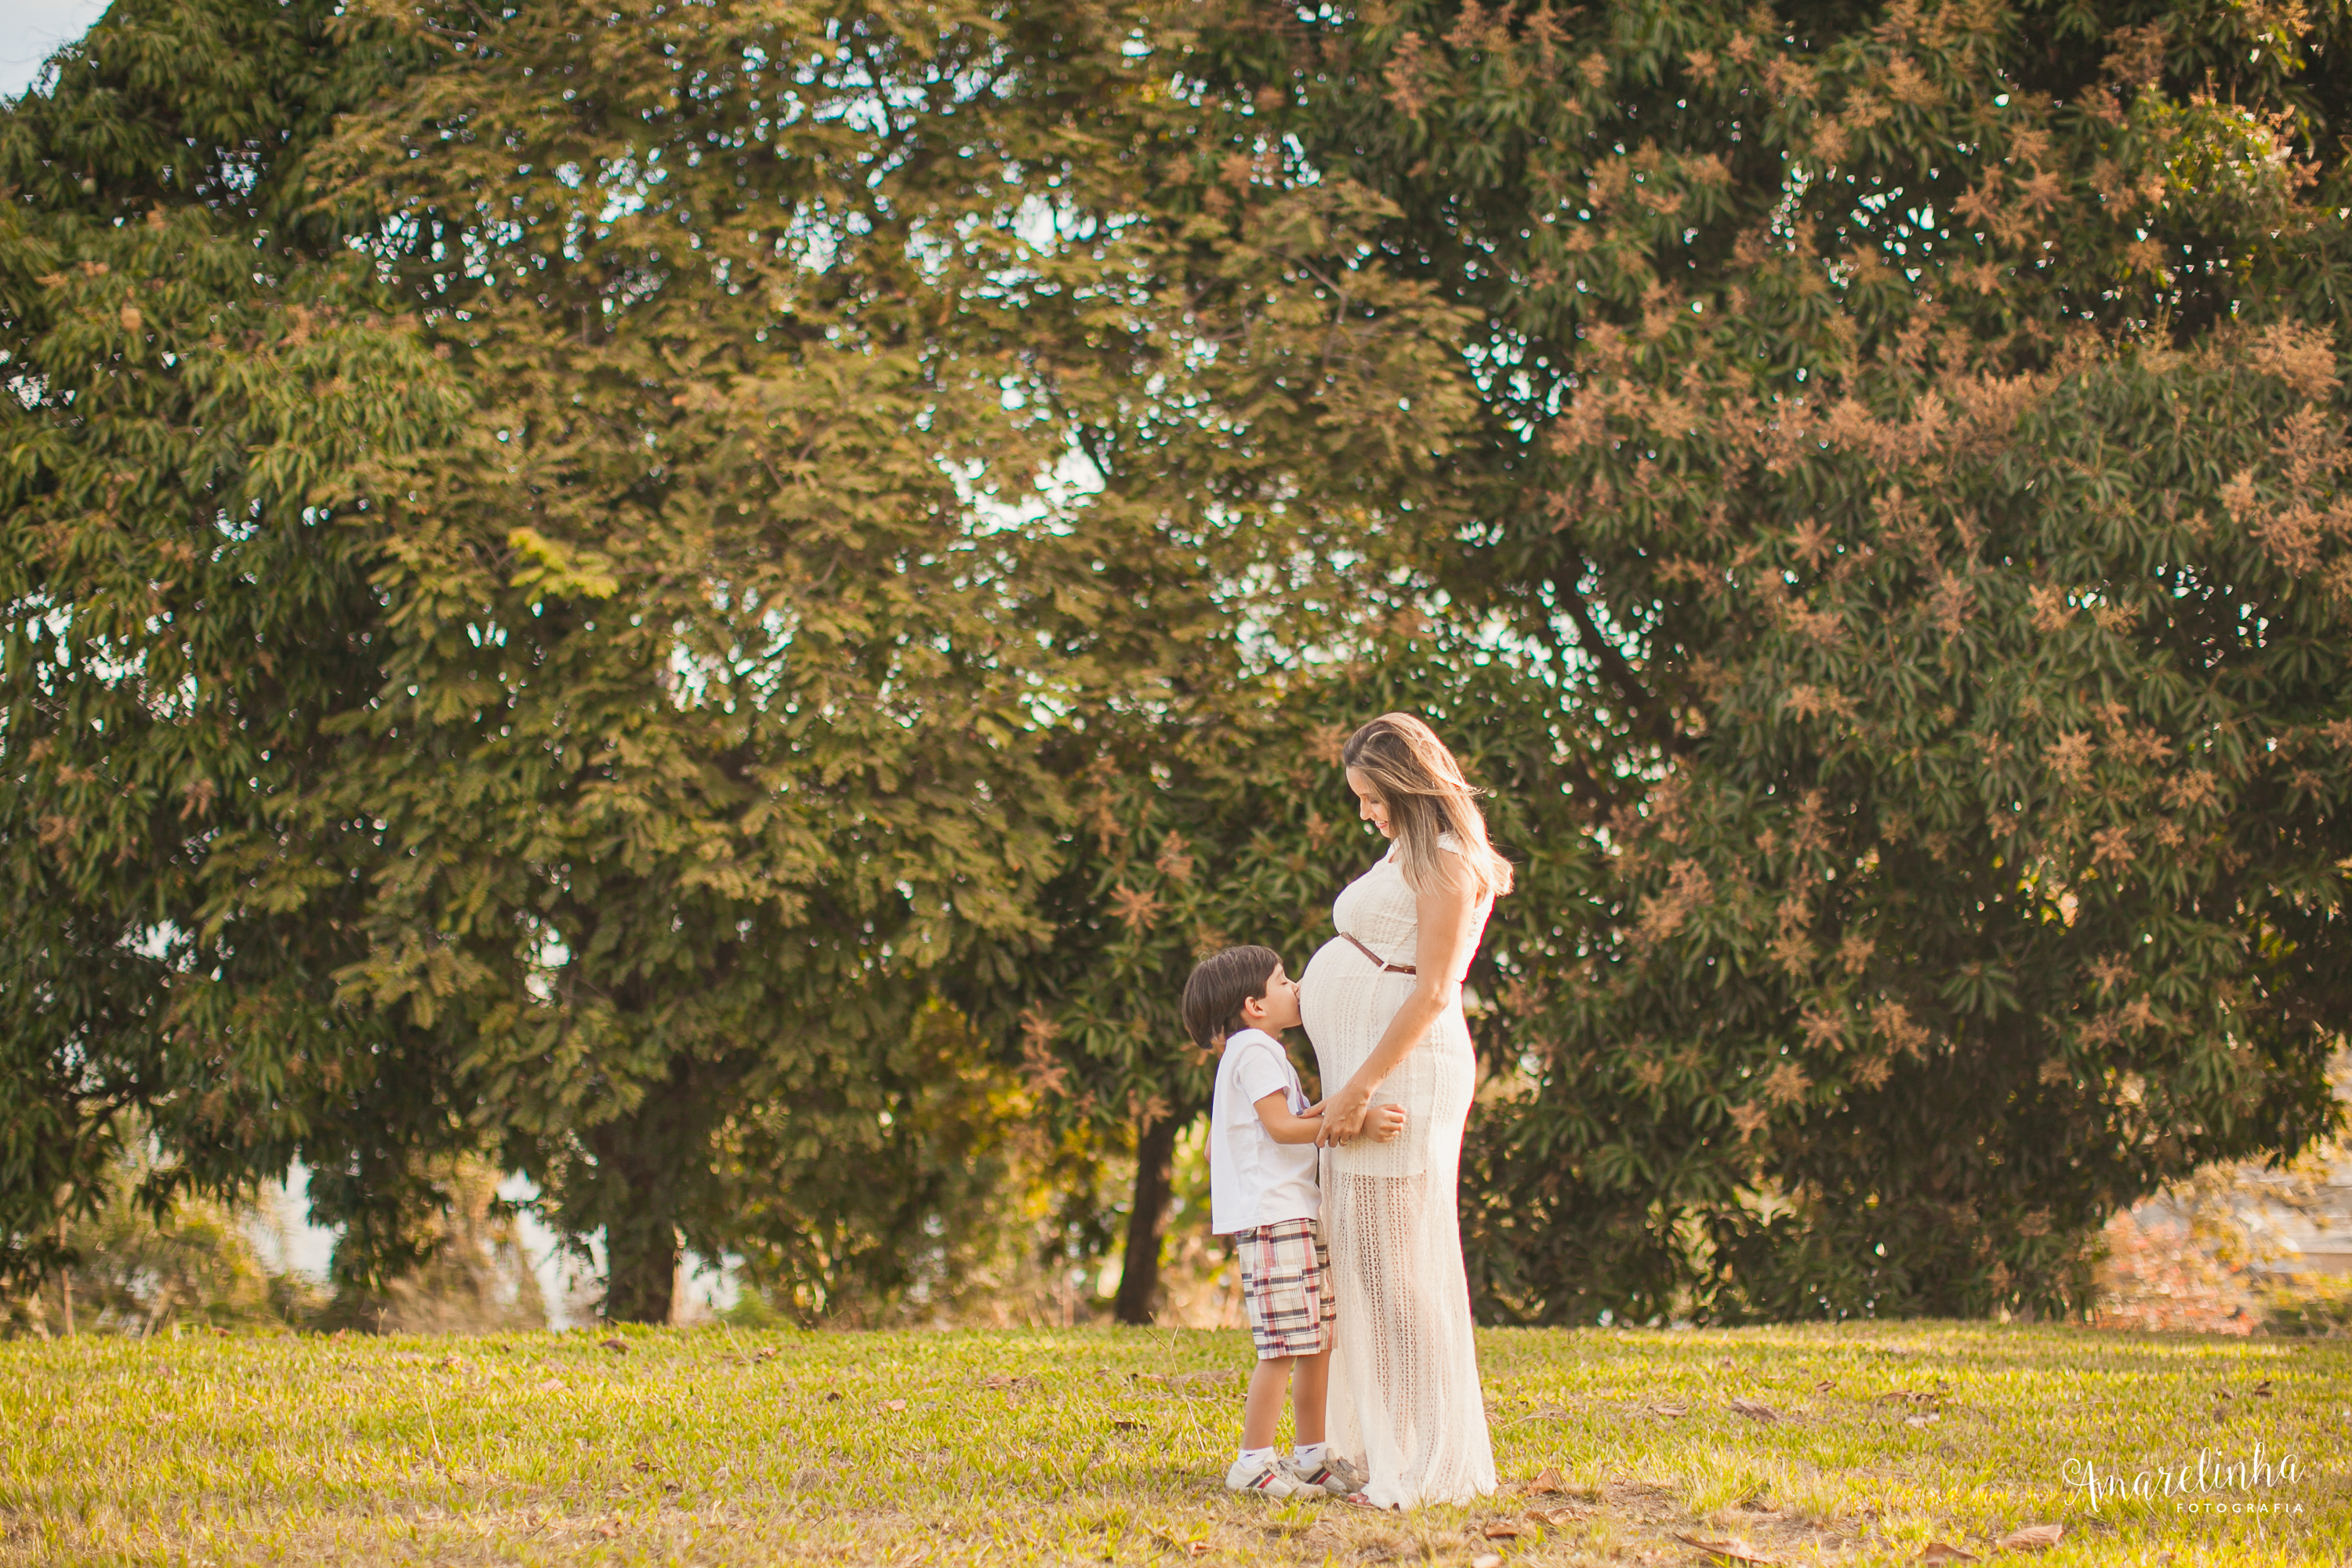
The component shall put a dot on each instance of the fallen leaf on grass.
(894, 1405)
(1826, 1385)
(1942, 1551)
(451, 1362)
(2032, 1538)
(1487, 1560)
(609, 1529)
(645, 1466)
(1550, 1480)
(1502, 1529)
(1928, 1420)
(835, 1395)
(1672, 1412)
(617, 1346)
(1730, 1551)
(1198, 1549)
(1127, 1426)
(553, 1385)
(1755, 1410)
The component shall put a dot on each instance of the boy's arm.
(1275, 1113)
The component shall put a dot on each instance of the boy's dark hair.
(1220, 982)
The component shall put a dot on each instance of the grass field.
(714, 1446)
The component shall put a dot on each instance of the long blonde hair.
(1421, 784)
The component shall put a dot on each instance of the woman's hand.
(1343, 1114)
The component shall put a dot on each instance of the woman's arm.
(1446, 914)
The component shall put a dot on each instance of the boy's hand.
(1384, 1123)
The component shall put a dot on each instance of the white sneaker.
(1333, 1475)
(1270, 1478)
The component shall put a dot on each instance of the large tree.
(854, 408)
(1917, 432)
(204, 388)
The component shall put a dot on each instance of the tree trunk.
(646, 1162)
(640, 1268)
(1139, 1276)
(65, 1281)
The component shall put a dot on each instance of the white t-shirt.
(1253, 1179)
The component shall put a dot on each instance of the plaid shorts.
(1287, 1286)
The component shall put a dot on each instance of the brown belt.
(1386, 967)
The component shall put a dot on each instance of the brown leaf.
(1007, 1380)
(1502, 1529)
(616, 1345)
(645, 1466)
(553, 1385)
(609, 1529)
(894, 1405)
(1755, 1410)
(1127, 1426)
(1940, 1552)
(2032, 1538)
(1730, 1551)
(1550, 1480)
(1198, 1549)
(1672, 1412)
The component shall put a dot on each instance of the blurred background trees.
(711, 606)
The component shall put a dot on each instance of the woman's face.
(1371, 807)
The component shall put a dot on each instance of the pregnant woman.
(1382, 1004)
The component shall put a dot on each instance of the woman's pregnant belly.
(1347, 1002)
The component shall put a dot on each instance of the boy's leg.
(1262, 1411)
(1310, 1384)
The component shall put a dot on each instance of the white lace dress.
(1405, 1399)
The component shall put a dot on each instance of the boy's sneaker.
(1270, 1476)
(1333, 1475)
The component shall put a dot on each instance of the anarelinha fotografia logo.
(2216, 1481)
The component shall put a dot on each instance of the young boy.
(1262, 1192)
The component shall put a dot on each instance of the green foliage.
(477, 1276)
(2319, 1308)
(1924, 430)
(813, 473)
(138, 1273)
(676, 592)
(203, 391)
